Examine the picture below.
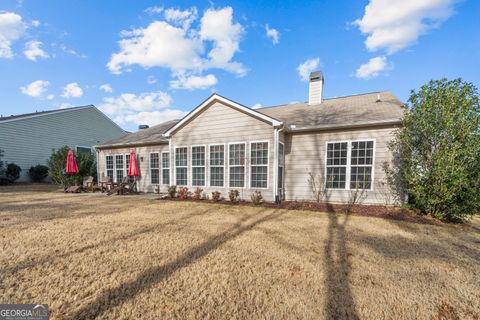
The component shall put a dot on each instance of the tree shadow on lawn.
(117, 296)
(51, 259)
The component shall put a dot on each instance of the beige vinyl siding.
(143, 157)
(220, 124)
(305, 152)
(29, 141)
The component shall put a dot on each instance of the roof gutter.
(128, 145)
(293, 128)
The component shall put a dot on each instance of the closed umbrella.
(72, 167)
(133, 169)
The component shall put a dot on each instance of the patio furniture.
(105, 184)
(87, 184)
(126, 186)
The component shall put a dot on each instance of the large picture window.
(349, 165)
(259, 164)
(217, 165)
(181, 166)
(166, 168)
(236, 165)
(198, 166)
(154, 168)
(361, 165)
(109, 166)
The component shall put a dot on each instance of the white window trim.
(113, 165)
(267, 165)
(204, 166)
(281, 165)
(245, 173)
(162, 168)
(150, 167)
(175, 165)
(125, 168)
(209, 183)
(349, 165)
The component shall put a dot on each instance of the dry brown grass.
(92, 256)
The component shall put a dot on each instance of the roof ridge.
(333, 98)
(40, 113)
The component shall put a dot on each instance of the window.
(236, 165)
(181, 166)
(109, 166)
(80, 149)
(166, 168)
(217, 165)
(198, 166)
(349, 165)
(154, 168)
(259, 164)
(281, 164)
(361, 165)
(119, 167)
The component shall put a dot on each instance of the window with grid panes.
(259, 164)
(181, 166)
(198, 166)
(217, 165)
(109, 166)
(336, 176)
(236, 165)
(166, 168)
(154, 168)
(361, 165)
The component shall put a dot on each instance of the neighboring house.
(28, 139)
(223, 145)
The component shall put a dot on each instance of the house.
(28, 139)
(222, 145)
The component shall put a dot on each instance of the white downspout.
(275, 164)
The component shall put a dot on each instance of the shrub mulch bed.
(379, 211)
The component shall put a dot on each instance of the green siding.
(29, 141)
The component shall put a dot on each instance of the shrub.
(58, 161)
(233, 195)
(438, 148)
(197, 194)
(172, 191)
(257, 197)
(317, 187)
(13, 172)
(38, 173)
(183, 193)
(215, 196)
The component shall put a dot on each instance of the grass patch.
(91, 256)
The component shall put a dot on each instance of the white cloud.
(154, 10)
(72, 90)
(151, 118)
(273, 34)
(33, 51)
(183, 18)
(257, 106)
(373, 68)
(36, 88)
(35, 23)
(146, 108)
(217, 26)
(50, 96)
(177, 45)
(395, 24)
(106, 88)
(308, 67)
(64, 105)
(11, 28)
(194, 82)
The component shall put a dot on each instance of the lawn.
(91, 256)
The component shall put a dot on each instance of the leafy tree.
(439, 150)
(57, 163)
(13, 172)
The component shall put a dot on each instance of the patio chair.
(87, 184)
(105, 184)
(124, 187)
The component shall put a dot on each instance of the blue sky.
(149, 61)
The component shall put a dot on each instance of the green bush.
(13, 172)
(58, 161)
(437, 150)
(38, 173)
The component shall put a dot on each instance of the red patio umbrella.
(72, 167)
(133, 169)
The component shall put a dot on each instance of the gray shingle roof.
(150, 136)
(340, 112)
(357, 110)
